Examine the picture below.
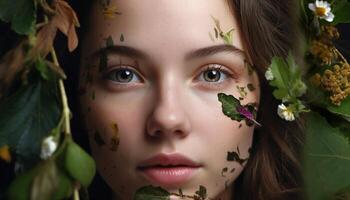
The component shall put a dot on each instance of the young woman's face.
(150, 99)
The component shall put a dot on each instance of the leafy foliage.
(27, 117)
(341, 12)
(21, 14)
(330, 150)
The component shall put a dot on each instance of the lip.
(168, 170)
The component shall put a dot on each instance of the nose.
(169, 117)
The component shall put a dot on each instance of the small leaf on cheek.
(202, 192)
(250, 87)
(249, 67)
(233, 156)
(98, 139)
(115, 138)
(224, 170)
(109, 42)
(122, 38)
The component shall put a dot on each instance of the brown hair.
(269, 28)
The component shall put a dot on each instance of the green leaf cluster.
(288, 83)
(56, 177)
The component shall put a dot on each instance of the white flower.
(322, 9)
(285, 113)
(48, 147)
(269, 75)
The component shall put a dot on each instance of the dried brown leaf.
(44, 41)
(66, 20)
(10, 66)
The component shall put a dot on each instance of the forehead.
(151, 25)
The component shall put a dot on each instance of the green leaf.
(202, 192)
(234, 156)
(79, 164)
(327, 159)
(121, 38)
(27, 117)
(21, 14)
(287, 79)
(20, 187)
(151, 193)
(341, 12)
(41, 66)
(65, 186)
(229, 105)
(109, 42)
(343, 109)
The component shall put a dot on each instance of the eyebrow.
(211, 50)
(198, 53)
(121, 50)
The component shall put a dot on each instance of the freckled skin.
(167, 107)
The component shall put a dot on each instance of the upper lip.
(168, 160)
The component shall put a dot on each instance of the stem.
(339, 54)
(76, 194)
(65, 111)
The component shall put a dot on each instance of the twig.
(66, 111)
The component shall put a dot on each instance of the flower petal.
(329, 17)
(312, 6)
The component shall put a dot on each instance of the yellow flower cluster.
(335, 81)
(323, 48)
(323, 51)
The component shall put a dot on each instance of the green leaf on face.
(151, 193)
(234, 156)
(122, 38)
(98, 139)
(327, 159)
(229, 105)
(103, 61)
(250, 87)
(109, 42)
(79, 164)
(20, 13)
(27, 117)
(202, 192)
(341, 12)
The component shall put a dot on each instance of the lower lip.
(169, 176)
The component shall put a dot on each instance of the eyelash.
(222, 70)
(203, 83)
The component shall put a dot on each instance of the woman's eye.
(213, 74)
(123, 76)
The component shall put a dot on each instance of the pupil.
(212, 75)
(124, 75)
